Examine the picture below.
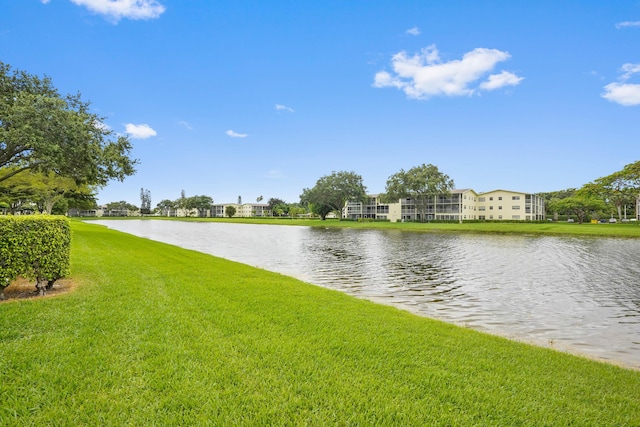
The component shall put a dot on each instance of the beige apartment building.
(458, 205)
(510, 205)
(245, 210)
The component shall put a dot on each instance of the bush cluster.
(36, 247)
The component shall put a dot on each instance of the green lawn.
(157, 335)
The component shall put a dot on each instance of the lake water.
(580, 295)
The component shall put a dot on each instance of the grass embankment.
(631, 229)
(157, 335)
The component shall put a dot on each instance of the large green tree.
(612, 189)
(551, 196)
(42, 190)
(42, 130)
(321, 210)
(50, 188)
(273, 202)
(422, 184)
(165, 206)
(17, 192)
(199, 203)
(331, 193)
(122, 205)
(579, 205)
(296, 209)
(619, 189)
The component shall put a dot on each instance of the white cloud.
(629, 70)
(44, 1)
(118, 9)
(233, 134)
(142, 131)
(626, 94)
(281, 107)
(415, 31)
(496, 81)
(424, 75)
(628, 24)
(185, 124)
(621, 92)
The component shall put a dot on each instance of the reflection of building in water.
(456, 206)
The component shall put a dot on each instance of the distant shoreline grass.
(159, 335)
(628, 230)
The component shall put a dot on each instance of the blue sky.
(262, 98)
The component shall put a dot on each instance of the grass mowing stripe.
(157, 335)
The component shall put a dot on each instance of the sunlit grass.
(157, 335)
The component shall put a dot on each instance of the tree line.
(614, 194)
(200, 204)
(329, 195)
(420, 183)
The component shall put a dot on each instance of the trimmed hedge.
(36, 247)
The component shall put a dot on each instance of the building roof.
(463, 190)
(506, 191)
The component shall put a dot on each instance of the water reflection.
(575, 294)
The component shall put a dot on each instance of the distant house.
(458, 205)
(102, 212)
(372, 208)
(510, 205)
(246, 210)
(83, 213)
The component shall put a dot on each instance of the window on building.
(490, 198)
(515, 198)
(499, 208)
(500, 198)
(481, 199)
(515, 207)
(515, 217)
(490, 208)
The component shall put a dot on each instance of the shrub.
(34, 247)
